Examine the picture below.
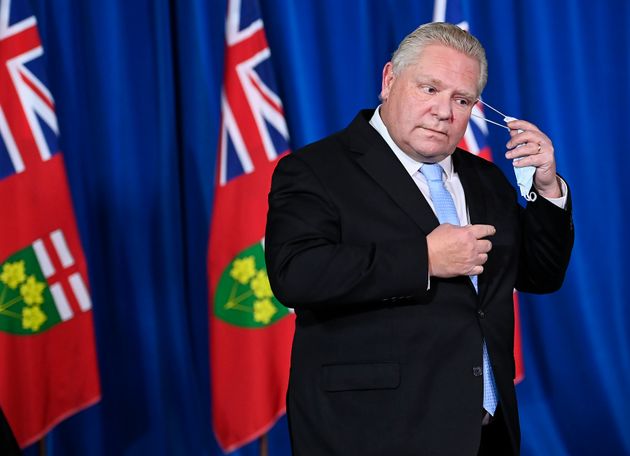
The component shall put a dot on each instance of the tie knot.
(432, 171)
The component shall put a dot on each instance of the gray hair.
(444, 34)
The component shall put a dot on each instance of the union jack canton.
(253, 129)
(28, 124)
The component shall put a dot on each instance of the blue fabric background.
(137, 87)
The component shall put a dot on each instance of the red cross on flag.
(250, 331)
(47, 351)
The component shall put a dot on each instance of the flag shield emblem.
(244, 297)
(26, 304)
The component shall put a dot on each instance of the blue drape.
(137, 87)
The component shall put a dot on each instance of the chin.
(431, 150)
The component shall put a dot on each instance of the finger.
(476, 270)
(524, 162)
(527, 137)
(481, 231)
(482, 258)
(531, 160)
(537, 161)
(521, 124)
(524, 151)
(484, 246)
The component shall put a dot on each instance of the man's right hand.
(458, 250)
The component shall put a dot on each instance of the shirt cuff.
(561, 202)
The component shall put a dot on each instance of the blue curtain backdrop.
(137, 86)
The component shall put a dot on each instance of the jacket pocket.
(353, 377)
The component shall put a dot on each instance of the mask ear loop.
(531, 197)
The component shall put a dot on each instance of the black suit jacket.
(381, 365)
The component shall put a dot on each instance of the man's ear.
(388, 80)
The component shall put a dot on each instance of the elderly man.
(399, 253)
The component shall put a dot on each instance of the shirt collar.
(411, 165)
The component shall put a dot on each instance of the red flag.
(475, 141)
(47, 351)
(250, 331)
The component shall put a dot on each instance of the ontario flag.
(47, 351)
(250, 331)
(475, 141)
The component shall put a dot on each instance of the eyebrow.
(467, 95)
(439, 82)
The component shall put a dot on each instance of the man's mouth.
(434, 130)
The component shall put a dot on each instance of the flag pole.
(264, 445)
(42, 446)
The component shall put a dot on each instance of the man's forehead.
(442, 63)
(436, 53)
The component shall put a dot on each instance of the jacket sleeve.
(308, 263)
(547, 241)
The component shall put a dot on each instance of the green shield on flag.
(244, 297)
(26, 304)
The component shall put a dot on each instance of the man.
(405, 326)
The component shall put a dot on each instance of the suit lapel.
(464, 165)
(472, 184)
(372, 153)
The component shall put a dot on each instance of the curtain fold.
(137, 91)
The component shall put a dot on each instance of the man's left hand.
(537, 151)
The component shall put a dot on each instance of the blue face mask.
(525, 179)
(524, 175)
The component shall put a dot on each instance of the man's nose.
(442, 108)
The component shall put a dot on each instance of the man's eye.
(428, 89)
(462, 101)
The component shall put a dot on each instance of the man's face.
(427, 106)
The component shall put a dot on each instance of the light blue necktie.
(446, 213)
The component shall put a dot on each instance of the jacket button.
(477, 371)
(481, 313)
